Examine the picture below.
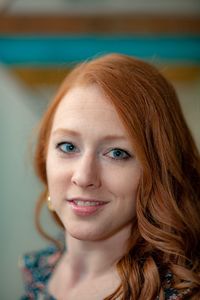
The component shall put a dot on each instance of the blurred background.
(40, 41)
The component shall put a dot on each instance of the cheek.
(123, 182)
(57, 176)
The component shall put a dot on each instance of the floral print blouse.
(38, 266)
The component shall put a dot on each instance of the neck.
(95, 258)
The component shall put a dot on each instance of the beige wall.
(92, 6)
(189, 95)
(20, 110)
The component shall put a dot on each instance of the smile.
(85, 207)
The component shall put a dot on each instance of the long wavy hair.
(166, 231)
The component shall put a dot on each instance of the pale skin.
(90, 157)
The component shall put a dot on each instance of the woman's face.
(92, 171)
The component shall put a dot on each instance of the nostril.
(84, 180)
(84, 183)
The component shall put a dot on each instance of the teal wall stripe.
(50, 50)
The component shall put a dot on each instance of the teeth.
(86, 203)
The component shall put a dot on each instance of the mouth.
(85, 207)
(87, 202)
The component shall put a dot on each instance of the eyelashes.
(68, 148)
(118, 154)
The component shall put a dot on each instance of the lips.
(85, 207)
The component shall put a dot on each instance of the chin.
(85, 234)
(83, 237)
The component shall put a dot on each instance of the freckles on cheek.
(127, 183)
(52, 172)
(58, 175)
(56, 178)
(116, 182)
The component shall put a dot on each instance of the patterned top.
(38, 266)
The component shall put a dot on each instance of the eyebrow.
(63, 131)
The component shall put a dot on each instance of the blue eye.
(67, 147)
(118, 154)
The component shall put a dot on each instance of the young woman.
(121, 173)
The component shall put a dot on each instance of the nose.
(86, 173)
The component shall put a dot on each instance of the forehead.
(89, 97)
(87, 106)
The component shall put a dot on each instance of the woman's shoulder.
(37, 267)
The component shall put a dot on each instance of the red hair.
(165, 234)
